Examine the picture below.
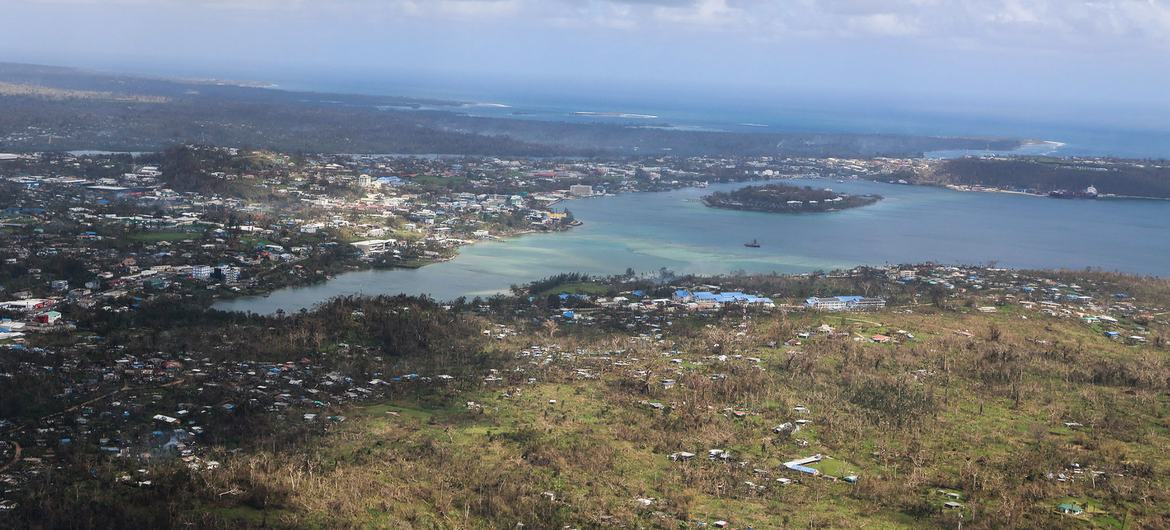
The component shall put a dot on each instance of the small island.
(783, 198)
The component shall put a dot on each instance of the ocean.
(1079, 131)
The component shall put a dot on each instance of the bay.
(650, 231)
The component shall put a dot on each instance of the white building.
(374, 246)
(230, 274)
(201, 272)
(581, 190)
(845, 303)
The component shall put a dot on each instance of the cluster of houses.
(137, 410)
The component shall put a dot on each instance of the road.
(15, 457)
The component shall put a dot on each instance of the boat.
(752, 244)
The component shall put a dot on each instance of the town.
(217, 222)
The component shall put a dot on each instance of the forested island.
(784, 198)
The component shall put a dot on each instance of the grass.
(987, 425)
(835, 468)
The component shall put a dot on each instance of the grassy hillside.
(982, 417)
(990, 406)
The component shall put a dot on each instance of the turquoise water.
(648, 231)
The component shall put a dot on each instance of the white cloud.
(1060, 24)
(886, 24)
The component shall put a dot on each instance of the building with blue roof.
(845, 303)
(707, 297)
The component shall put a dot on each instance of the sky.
(1060, 57)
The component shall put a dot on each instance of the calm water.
(647, 231)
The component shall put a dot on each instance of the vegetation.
(1043, 175)
(123, 113)
(991, 409)
(784, 198)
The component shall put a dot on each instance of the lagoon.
(649, 231)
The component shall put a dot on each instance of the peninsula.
(784, 198)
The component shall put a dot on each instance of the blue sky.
(1054, 56)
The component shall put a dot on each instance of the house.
(166, 419)
(48, 317)
(881, 339)
(801, 464)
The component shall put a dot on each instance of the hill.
(977, 395)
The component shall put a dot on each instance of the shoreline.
(368, 266)
(420, 263)
(978, 189)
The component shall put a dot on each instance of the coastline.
(982, 189)
(455, 251)
(360, 265)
